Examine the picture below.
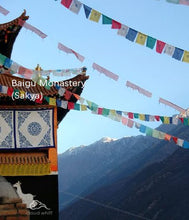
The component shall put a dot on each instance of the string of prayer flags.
(130, 33)
(32, 28)
(172, 105)
(173, 1)
(140, 90)
(68, 50)
(3, 11)
(105, 71)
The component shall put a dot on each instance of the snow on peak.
(107, 139)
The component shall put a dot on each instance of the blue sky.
(160, 74)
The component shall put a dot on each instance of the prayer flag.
(67, 95)
(64, 104)
(116, 24)
(137, 125)
(150, 43)
(157, 117)
(106, 20)
(83, 107)
(141, 38)
(75, 6)
(130, 123)
(105, 111)
(175, 120)
(169, 49)
(112, 112)
(185, 121)
(105, 71)
(167, 137)
(142, 117)
(52, 101)
(123, 30)
(175, 139)
(180, 142)
(61, 91)
(70, 105)
(149, 131)
(130, 115)
(159, 46)
(100, 111)
(136, 115)
(87, 10)
(166, 120)
(186, 144)
(184, 2)
(81, 100)
(3, 10)
(58, 102)
(142, 128)
(173, 1)
(171, 105)
(178, 53)
(186, 57)
(14, 67)
(39, 99)
(155, 133)
(10, 91)
(27, 73)
(2, 59)
(131, 34)
(147, 118)
(124, 120)
(161, 135)
(140, 90)
(66, 3)
(34, 29)
(7, 63)
(95, 15)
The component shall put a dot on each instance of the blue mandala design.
(34, 128)
(22, 117)
(24, 143)
(45, 115)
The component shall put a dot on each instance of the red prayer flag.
(39, 100)
(182, 120)
(159, 46)
(67, 95)
(130, 115)
(10, 91)
(66, 3)
(116, 25)
(175, 139)
(70, 105)
(100, 111)
(157, 117)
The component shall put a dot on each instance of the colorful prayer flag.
(3, 10)
(186, 57)
(169, 49)
(75, 6)
(178, 53)
(70, 105)
(131, 34)
(106, 20)
(95, 15)
(66, 3)
(116, 24)
(52, 101)
(64, 104)
(123, 30)
(159, 46)
(87, 10)
(150, 43)
(141, 38)
(83, 107)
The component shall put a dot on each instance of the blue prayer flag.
(131, 34)
(87, 10)
(143, 128)
(178, 53)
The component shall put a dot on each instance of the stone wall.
(13, 209)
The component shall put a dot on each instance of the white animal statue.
(28, 198)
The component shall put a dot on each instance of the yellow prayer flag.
(83, 108)
(52, 101)
(112, 112)
(141, 38)
(142, 117)
(95, 15)
(186, 57)
(166, 120)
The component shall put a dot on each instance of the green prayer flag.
(94, 107)
(162, 119)
(77, 106)
(185, 122)
(173, 1)
(136, 115)
(46, 98)
(105, 111)
(149, 131)
(106, 20)
(2, 59)
(150, 42)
